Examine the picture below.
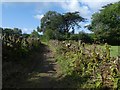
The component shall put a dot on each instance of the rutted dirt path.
(45, 72)
(40, 70)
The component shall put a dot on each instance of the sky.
(27, 14)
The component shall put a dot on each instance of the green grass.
(114, 50)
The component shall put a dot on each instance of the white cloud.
(70, 6)
(26, 30)
(85, 7)
(38, 16)
(74, 5)
(95, 5)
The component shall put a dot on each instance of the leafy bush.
(92, 62)
(16, 47)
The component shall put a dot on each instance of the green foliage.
(90, 61)
(51, 20)
(15, 46)
(74, 37)
(70, 20)
(17, 31)
(114, 50)
(24, 35)
(8, 31)
(106, 24)
(84, 37)
(49, 34)
(35, 34)
(60, 24)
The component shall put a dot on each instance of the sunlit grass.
(114, 50)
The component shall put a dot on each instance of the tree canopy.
(34, 34)
(8, 31)
(106, 23)
(60, 22)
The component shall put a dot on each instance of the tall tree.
(106, 23)
(60, 22)
(51, 20)
(71, 19)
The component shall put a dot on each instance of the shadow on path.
(39, 71)
(44, 70)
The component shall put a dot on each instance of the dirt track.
(45, 71)
(40, 70)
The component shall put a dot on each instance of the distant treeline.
(105, 25)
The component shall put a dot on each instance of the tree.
(71, 19)
(1, 29)
(60, 22)
(35, 34)
(106, 23)
(49, 34)
(9, 32)
(38, 29)
(51, 20)
(25, 35)
(17, 31)
(84, 37)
